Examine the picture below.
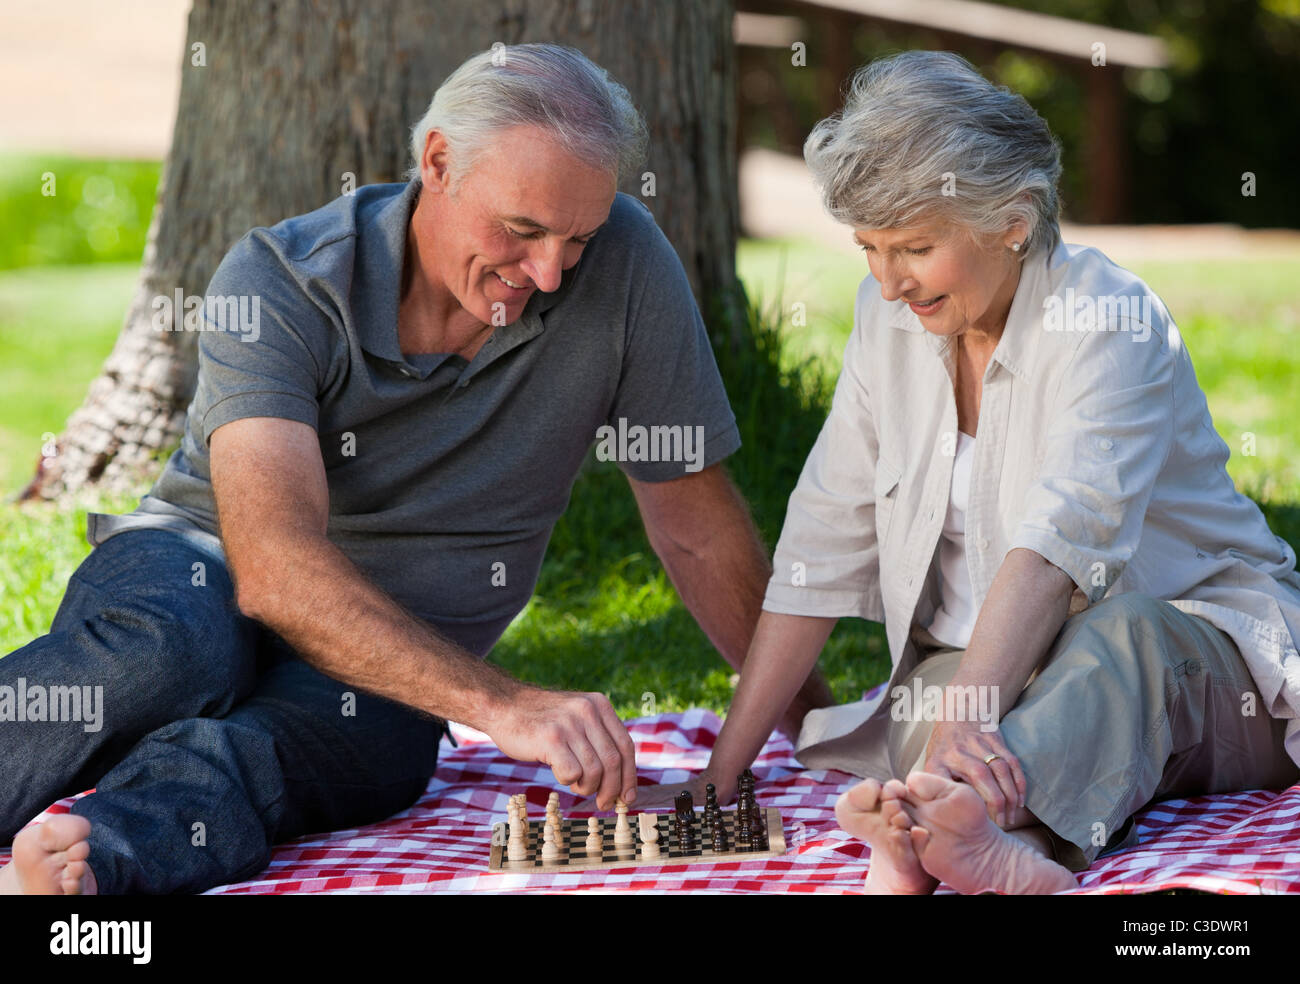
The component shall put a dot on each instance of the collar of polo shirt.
(381, 246)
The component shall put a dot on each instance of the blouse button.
(984, 543)
(1106, 443)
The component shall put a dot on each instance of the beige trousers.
(1136, 701)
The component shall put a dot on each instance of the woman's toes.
(891, 810)
(926, 786)
(920, 840)
(894, 789)
(863, 797)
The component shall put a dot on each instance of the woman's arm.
(1024, 610)
(783, 653)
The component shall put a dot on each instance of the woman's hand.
(958, 749)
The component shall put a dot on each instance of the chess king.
(368, 489)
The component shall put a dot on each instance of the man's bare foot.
(50, 859)
(872, 813)
(957, 843)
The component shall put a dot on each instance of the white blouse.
(1096, 450)
(957, 611)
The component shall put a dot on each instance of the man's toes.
(72, 875)
(927, 786)
(61, 832)
(77, 852)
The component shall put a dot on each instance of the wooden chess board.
(573, 845)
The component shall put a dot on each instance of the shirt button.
(984, 543)
(1106, 443)
(407, 372)
(910, 580)
(932, 515)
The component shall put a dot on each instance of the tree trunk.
(280, 101)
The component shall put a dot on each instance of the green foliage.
(98, 213)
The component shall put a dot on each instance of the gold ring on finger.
(990, 758)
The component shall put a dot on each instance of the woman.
(1019, 475)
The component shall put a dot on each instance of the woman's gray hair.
(547, 85)
(923, 136)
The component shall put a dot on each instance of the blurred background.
(1180, 148)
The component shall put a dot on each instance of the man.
(375, 456)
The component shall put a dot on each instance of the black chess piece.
(684, 804)
(712, 812)
(757, 829)
(684, 818)
(744, 837)
(719, 837)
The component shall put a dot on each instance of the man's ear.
(435, 163)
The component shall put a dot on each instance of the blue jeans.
(214, 739)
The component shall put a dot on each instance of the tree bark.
(279, 101)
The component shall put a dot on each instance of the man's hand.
(957, 750)
(579, 736)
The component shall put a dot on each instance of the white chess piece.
(594, 838)
(622, 831)
(649, 836)
(517, 846)
(549, 849)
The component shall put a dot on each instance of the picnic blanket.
(1244, 843)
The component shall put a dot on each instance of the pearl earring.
(1015, 247)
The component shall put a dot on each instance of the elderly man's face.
(953, 285)
(519, 218)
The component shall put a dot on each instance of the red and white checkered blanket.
(1244, 843)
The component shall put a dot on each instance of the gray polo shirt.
(446, 477)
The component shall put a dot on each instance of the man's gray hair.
(545, 85)
(924, 137)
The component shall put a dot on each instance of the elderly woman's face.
(516, 221)
(952, 284)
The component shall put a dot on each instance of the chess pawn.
(719, 843)
(594, 838)
(622, 831)
(549, 849)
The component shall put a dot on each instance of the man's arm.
(701, 529)
(273, 505)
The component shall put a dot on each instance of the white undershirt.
(955, 618)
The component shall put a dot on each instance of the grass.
(57, 325)
(604, 616)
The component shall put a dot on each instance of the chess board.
(573, 845)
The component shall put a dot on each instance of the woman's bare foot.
(873, 814)
(50, 859)
(957, 843)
